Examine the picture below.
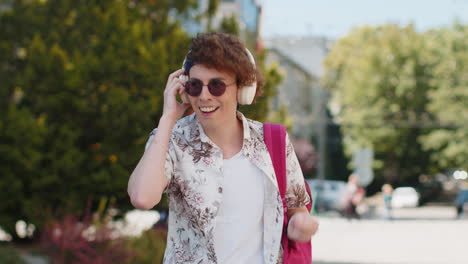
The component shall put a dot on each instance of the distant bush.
(74, 240)
(9, 255)
(81, 88)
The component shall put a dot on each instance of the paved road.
(425, 235)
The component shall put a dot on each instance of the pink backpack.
(275, 140)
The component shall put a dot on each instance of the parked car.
(461, 202)
(429, 191)
(405, 197)
(328, 194)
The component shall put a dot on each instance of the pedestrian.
(387, 191)
(353, 196)
(224, 203)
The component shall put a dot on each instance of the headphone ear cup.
(184, 95)
(246, 94)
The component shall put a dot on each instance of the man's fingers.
(174, 87)
(175, 74)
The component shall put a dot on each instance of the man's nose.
(205, 93)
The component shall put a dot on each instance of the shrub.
(72, 240)
(9, 255)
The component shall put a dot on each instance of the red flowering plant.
(72, 240)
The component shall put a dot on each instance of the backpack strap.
(275, 140)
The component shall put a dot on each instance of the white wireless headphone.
(245, 94)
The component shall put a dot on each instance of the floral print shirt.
(195, 190)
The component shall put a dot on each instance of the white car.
(405, 197)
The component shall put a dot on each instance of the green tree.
(380, 77)
(210, 13)
(81, 88)
(230, 25)
(449, 100)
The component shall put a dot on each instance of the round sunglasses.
(217, 87)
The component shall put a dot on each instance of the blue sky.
(335, 18)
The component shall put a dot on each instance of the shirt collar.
(245, 125)
(205, 138)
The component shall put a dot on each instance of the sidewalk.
(420, 236)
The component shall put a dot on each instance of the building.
(300, 59)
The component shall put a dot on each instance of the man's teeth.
(207, 109)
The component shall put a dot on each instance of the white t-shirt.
(238, 235)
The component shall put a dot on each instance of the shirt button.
(220, 190)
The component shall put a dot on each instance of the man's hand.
(302, 226)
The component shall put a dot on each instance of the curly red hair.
(225, 52)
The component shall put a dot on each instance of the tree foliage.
(380, 78)
(230, 25)
(82, 85)
(404, 94)
(449, 99)
(210, 13)
(81, 88)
